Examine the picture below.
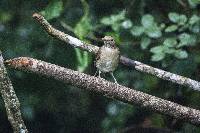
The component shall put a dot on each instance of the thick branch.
(105, 88)
(11, 101)
(126, 61)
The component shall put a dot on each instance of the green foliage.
(181, 54)
(158, 52)
(149, 29)
(170, 42)
(145, 41)
(84, 26)
(147, 21)
(137, 30)
(115, 21)
(171, 28)
(53, 10)
(82, 29)
(193, 3)
(180, 19)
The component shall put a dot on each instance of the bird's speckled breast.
(108, 59)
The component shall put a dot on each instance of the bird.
(107, 58)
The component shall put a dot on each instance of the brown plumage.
(107, 58)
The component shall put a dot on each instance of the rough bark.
(11, 101)
(195, 85)
(105, 88)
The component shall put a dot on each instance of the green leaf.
(182, 19)
(127, 24)
(147, 20)
(194, 19)
(53, 10)
(157, 49)
(181, 54)
(158, 56)
(169, 50)
(170, 42)
(118, 17)
(186, 39)
(145, 42)
(113, 19)
(82, 58)
(174, 17)
(171, 28)
(106, 21)
(193, 3)
(84, 26)
(195, 28)
(116, 27)
(153, 31)
(177, 18)
(137, 30)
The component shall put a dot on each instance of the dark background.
(51, 106)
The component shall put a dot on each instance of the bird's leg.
(96, 73)
(99, 74)
(111, 73)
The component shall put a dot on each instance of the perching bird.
(107, 58)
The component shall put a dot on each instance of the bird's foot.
(114, 78)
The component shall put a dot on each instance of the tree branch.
(11, 101)
(105, 88)
(195, 85)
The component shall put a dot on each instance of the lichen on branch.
(11, 101)
(105, 88)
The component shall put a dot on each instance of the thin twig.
(105, 88)
(11, 101)
(195, 85)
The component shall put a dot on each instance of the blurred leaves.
(5, 16)
(145, 42)
(171, 28)
(82, 29)
(115, 21)
(53, 10)
(137, 30)
(149, 29)
(180, 19)
(181, 54)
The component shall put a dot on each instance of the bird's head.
(109, 41)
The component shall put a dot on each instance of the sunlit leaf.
(194, 19)
(170, 42)
(137, 30)
(180, 19)
(153, 31)
(171, 28)
(181, 54)
(147, 20)
(174, 17)
(186, 39)
(157, 49)
(127, 24)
